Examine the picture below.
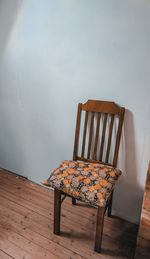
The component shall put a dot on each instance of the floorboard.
(26, 225)
(3, 255)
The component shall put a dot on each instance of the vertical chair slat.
(109, 138)
(84, 134)
(77, 131)
(97, 135)
(103, 136)
(90, 135)
(118, 136)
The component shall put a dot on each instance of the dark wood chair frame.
(99, 107)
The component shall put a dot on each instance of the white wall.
(54, 54)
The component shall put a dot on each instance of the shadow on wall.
(9, 11)
(130, 147)
(8, 14)
(128, 189)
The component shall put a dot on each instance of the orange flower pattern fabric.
(89, 182)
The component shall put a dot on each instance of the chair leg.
(110, 206)
(73, 201)
(99, 229)
(57, 211)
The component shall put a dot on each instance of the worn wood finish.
(26, 225)
(99, 229)
(4, 255)
(143, 239)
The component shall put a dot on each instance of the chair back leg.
(73, 201)
(99, 229)
(57, 211)
(110, 206)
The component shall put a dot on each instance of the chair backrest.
(101, 132)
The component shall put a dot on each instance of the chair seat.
(89, 182)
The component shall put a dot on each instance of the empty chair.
(92, 174)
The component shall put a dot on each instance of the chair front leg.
(57, 211)
(99, 228)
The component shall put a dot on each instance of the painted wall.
(54, 54)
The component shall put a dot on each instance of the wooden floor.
(26, 226)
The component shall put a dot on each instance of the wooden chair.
(104, 133)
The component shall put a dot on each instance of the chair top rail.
(101, 106)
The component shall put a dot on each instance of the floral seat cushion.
(89, 182)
